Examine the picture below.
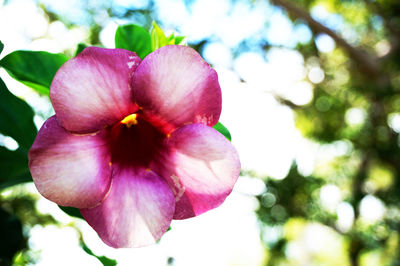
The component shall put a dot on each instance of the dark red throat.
(135, 144)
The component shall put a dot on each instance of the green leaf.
(223, 130)
(177, 40)
(34, 69)
(171, 39)
(158, 38)
(13, 167)
(181, 40)
(71, 211)
(37, 87)
(104, 260)
(133, 38)
(1, 47)
(80, 48)
(16, 118)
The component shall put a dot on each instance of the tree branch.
(366, 63)
(285, 102)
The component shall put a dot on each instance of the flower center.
(130, 120)
(135, 142)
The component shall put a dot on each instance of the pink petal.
(93, 89)
(201, 166)
(174, 86)
(71, 170)
(137, 212)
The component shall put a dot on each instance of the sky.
(263, 130)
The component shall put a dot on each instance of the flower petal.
(174, 86)
(137, 212)
(71, 170)
(201, 166)
(93, 89)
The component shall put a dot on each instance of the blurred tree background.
(342, 210)
(357, 104)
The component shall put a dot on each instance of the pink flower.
(131, 143)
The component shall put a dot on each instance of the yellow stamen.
(130, 120)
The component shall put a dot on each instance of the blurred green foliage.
(360, 79)
(12, 237)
